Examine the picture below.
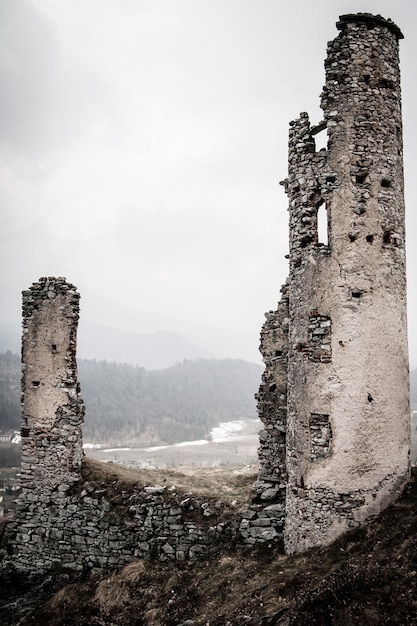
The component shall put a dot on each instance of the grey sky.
(141, 146)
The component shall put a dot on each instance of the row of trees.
(125, 403)
(9, 455)
(9, 391)
(180, 403)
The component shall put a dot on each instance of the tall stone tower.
(51, 424)
(52, 409)
(335, 392)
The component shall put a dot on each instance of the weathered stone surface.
(60, 518)
(334, 397)
(335, 351)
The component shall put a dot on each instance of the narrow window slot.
(322, 226)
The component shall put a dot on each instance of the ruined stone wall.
(65, 518)
(356, 398)
(99, 525)
(347, 433)
(334, 398)
(264, 519)
(52, 409)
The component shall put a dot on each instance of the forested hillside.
(127, 404)
(180, 403)
(9, 391)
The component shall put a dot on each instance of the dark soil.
(366, 578)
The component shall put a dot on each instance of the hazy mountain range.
(156, 350)
(152, 351)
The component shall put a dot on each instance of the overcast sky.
(141, 147)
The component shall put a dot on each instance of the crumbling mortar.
(360, 173)
(322, 334)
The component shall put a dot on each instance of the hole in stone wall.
(340, 79)
(278, 353)
(369, 238)
(322, 226)
(330, 180)
(320, 137)
(356, 293)
(321, 140)
(361, 179)
(53, 348)
(36, 383)
(366, 78)
(352, 238)
(390, 238)
(386, 83)
(305, 240)
(370, 398)
(385, 183)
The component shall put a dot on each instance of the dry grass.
(64, 598)
(233, 484)
(112, 596)
(366, 578)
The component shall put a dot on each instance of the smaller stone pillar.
(52, 409)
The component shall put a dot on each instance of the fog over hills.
(141, 340)
(155, 350)
(152, 351)
(10, 337)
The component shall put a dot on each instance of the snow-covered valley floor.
(230, 443)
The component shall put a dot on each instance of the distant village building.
(6, 437)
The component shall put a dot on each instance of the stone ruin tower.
(52, 410)
(334, 398)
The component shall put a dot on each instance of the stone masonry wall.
(347, 401)
(64, 516)
(264, 519)
(52, 409)
(357, 281)
(334, 397)
(97, 525)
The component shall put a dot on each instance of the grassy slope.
(369, 577)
